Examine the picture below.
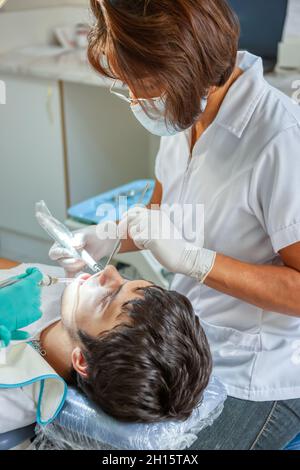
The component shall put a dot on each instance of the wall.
(292, 26)
(27, 4)
(19, 29)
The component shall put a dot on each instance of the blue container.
(112, 204)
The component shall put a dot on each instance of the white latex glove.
(97, 240)
(153, 230)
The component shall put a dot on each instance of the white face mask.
(158, 125)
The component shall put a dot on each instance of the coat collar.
(244, 95)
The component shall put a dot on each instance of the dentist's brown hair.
(181, 47)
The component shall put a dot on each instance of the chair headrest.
(81, 420)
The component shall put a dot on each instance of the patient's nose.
(110, 278)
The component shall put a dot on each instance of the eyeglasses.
(125, 95)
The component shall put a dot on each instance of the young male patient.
(138, 351)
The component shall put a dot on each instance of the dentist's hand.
(97, 240)
(153, 230)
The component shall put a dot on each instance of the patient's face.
(94, 303)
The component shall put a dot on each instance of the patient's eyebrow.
(118, 290)
(115, 293)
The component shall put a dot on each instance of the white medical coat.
(245, 170)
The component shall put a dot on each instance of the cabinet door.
(31, 154)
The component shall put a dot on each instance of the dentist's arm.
(274, 288)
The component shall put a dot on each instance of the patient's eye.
(105, 300)
(109, 297)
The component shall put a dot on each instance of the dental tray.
(86, 211)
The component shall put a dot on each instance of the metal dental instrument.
(63, 236)
(8, 282)
(119, 241)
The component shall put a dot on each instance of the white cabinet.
(31, 154)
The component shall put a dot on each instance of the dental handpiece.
(63, 236)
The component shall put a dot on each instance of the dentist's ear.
(79, 362)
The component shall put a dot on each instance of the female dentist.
(230, 144)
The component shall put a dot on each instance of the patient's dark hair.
(154, 366)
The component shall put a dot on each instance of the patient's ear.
(79, 362)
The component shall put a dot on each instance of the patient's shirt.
(17, 405)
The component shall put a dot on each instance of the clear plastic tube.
(63, 281)
(51, 281)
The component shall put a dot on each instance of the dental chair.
(17, 439)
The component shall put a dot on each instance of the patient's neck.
(58, 346)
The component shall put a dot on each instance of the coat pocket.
(229, 341)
